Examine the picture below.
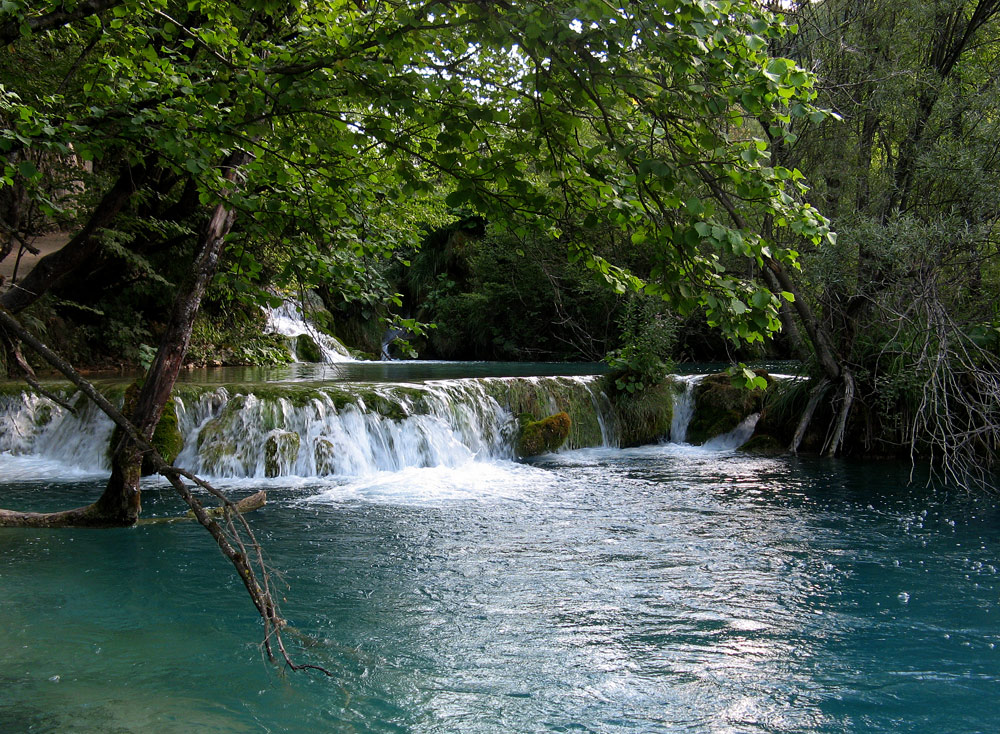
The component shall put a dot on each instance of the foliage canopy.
(362, 120)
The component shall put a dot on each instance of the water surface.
(657, 589)
(661, 589)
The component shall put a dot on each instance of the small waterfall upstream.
(289, 321)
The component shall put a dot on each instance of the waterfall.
(736, 437)
(340, 430)
(388, 338)
(32, 425)
(289, 321)
(683, 408)
(344, 430)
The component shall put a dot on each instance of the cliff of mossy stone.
(720, 406)
(307, 350)
(167, 438)
(548, 434)
(582, 401)
(643, 417)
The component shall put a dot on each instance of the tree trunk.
(820, 340)
(81, 248)
(815, 395)
(121, 498)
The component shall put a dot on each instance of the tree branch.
(11, 30)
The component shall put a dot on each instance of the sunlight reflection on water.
(661, 589)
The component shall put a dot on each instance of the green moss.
(307, 350)
(383, 405)
(281, 449)
(214, 448)
(644, 417)
(548, 434)
(15, 388)
(541, 397)
(720, 406)
(167, 438)
(340, 398)
(296, 395)
(43, 416)
(324, 452)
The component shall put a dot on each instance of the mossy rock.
(281, 449)
(526, 396)
(43, 416)
(307, 350)
(167, 438)
(644, 417)
(548, 434)
(720, 406)
(385, 406)
(324, 453)
(764, 445)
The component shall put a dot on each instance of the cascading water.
(734, 438)
(347, 430)
(34, 426)
(388, 338)
(344, 430)
(683, 408)
(289, 321)
(327, 433)
(659, 588)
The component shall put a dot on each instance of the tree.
(903, 300)
(298, 126)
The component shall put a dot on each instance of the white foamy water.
(735, 438)
(39, 438)
(288, 320)
(344, 435)
(683, 408)
(473, 481)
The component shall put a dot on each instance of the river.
(667, 588)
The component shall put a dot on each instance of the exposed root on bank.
(815, 395)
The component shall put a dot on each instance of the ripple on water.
(654, 590)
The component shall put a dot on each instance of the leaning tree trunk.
(82, 247)
(121, 499)
(834, 370)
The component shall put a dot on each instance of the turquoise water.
(664, 589)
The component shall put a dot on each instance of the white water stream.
(342, 432)
(288, 320)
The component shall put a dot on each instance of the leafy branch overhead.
(366, 119)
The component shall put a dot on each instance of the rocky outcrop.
(539, 437)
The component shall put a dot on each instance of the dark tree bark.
(51, 268)
(121, 498)
(10, 31)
